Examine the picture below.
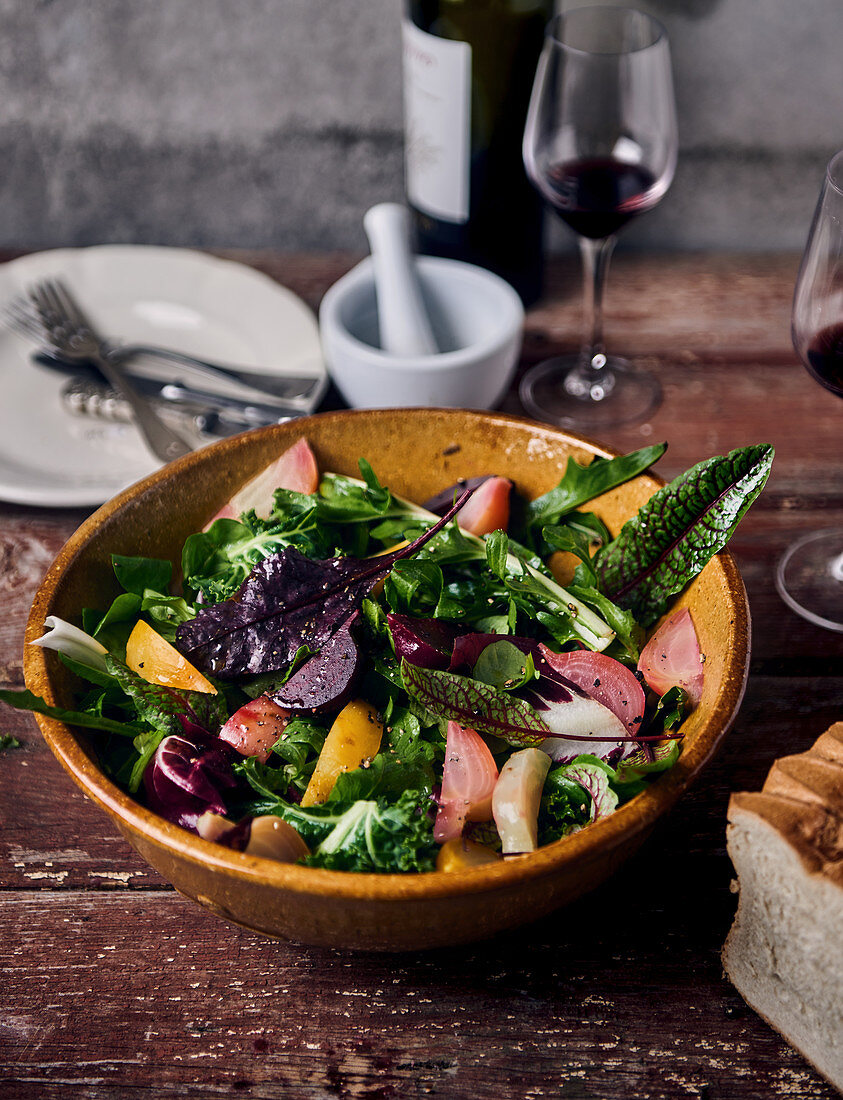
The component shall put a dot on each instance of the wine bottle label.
(437, 123)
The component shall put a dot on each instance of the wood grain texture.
(114, 986)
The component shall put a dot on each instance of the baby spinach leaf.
(679, 529)
(581, 484)
(504, 666)
(138, 574)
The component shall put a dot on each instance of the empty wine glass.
(809, 577)
(600, 145)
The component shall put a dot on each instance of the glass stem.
(595, 261)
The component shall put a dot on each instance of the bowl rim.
(333, 331)
(591, 843)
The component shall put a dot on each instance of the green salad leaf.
(581, 484)
(475, 704)
(662, 548)
(369, 835)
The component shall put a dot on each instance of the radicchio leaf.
(288, 601)
(679, 529)
(595, 780)
(189, 774)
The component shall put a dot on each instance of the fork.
(57, 318)
(17, 315)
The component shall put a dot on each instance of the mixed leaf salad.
(354, 681)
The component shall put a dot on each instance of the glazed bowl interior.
(417, 453)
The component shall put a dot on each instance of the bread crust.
(784, 952)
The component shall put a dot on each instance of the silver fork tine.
(69, 305)
(18, 317)
(43, 300)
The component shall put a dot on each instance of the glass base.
(809, 578)
(574, 393)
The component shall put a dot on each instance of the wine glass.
(600, 146)
(809, 577)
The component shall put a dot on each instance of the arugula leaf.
(7, 741)
(474, 704)
(581, 484)
(299, 746)
(145, 745)
(629, 777)
(25, 700)
(561, 613)
(679, 529)
(670, 710)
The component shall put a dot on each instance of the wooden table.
(115, 986)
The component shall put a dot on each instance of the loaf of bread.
(784, 952)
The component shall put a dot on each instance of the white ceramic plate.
(172, 297)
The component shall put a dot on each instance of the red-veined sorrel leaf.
(474, 704)
(679, 529)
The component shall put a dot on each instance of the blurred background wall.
(276, 123)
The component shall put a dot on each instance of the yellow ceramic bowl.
(416, 452)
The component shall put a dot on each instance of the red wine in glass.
(809, 576)
(824, 358)
(600, 146)
(596, 196)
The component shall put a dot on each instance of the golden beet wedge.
(354, 738)
(157, 662)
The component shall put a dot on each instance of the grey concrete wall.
(276, 123)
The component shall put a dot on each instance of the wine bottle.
(468, 73)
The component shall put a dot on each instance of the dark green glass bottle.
(468, 73)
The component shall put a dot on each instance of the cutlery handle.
(161, 439)
(283, 387)
(402, 315)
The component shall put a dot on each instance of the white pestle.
(405, 328)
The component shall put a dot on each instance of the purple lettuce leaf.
(288, 601)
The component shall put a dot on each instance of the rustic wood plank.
(591, 1002)
(701, 306)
